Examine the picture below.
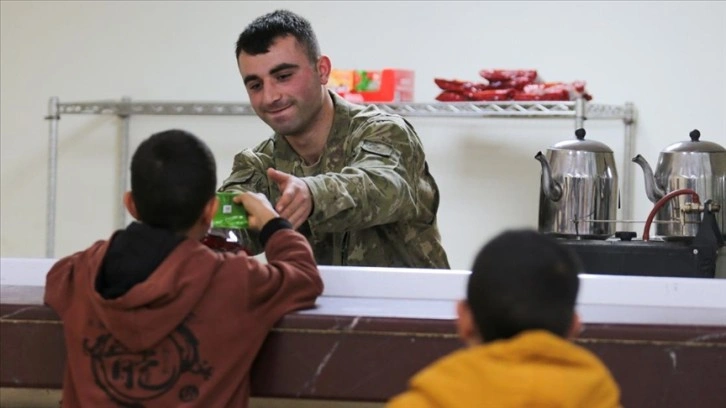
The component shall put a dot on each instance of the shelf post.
(580, 113)
(628, 149)
(52, 118)
(124, 114)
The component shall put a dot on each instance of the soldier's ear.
(323, 66)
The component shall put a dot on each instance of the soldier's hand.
(258, 207)
(295, 203)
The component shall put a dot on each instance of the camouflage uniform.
(374, 200)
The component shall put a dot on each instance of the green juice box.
(229, 215)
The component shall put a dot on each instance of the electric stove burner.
(627, 256)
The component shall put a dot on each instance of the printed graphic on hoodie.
(132, 378)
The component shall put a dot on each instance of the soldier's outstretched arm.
(378, 185)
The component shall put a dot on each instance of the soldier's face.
(285, 89)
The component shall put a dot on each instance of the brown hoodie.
(186, 335)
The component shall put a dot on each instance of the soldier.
(353, 179)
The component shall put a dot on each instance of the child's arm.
(290, 280)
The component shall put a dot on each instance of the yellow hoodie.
(534, 369)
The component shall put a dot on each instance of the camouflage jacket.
(374, 200)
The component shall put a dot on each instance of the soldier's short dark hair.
(173, 176)
(264, 30)
(523, 280)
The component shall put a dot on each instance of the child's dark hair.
(173, 176)
(523, 280)
(263, 31)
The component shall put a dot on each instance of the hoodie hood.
(144, 282)
(132, 256)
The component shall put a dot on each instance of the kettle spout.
(652, 190)
(551, 188)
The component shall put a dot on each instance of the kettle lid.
(695, 145)
(580, 144)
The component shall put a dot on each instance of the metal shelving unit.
(577, 111)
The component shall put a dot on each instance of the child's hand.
(258, 207)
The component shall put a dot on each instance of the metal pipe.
(694, 196)
(53, 118)
(125, 116)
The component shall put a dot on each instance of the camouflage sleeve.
(378, 185)
(249, 174)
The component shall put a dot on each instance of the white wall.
(669, 58)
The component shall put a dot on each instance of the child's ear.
(130, 204)
(575, 327)
(465, 326)
(209, 210)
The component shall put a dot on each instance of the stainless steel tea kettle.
(694, 164)
(578, 195)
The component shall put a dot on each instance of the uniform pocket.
(380, 149)
(242, 179)
(376, 154)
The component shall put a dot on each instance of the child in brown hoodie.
(154, 318)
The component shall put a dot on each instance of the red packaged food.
(455, 85)
(543, 96)
(508, 74)
(499, 85)
(579, 86)
(510, 84)
(515, 83)
(491, 95)
(521, 96)
(557, 95)
(553, 91)
(451, 96)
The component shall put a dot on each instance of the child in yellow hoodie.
(517, 319)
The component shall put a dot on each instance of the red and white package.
(490, 75)
(491, 94)
(510, 84)
(451, 96)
